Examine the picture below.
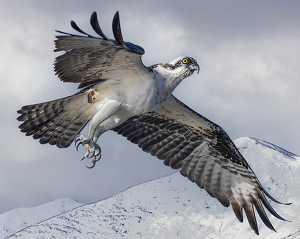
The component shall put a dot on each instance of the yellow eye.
(184, 61)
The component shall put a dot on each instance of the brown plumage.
(204, 153)
(112, 72)
(56, 122)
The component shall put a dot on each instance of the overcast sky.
(248, 51)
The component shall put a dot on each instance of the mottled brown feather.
(52, 123)
(204, 153)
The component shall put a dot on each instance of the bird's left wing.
(204, 154)
(89, 60)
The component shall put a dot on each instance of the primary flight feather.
(120, 93)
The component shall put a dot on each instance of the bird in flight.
(119, 93)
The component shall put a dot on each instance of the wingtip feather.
(237, 209)
(74, 25)
(251, 217)
(269, 207)
(96, 26)
(261, 212)
(117, 29)
(273, 199)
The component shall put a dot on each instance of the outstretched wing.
(204, 154)
(90, 60)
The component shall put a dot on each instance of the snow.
(173, 207)
(21, 218)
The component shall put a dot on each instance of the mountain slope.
(20, 218)
(172, 207)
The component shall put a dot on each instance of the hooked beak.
(198, 68)
(195, 66)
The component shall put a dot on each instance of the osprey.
(120, 93)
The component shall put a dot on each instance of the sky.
(248, 52)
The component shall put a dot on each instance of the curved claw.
(77, 138)
(93, 149)
(76, 141)
(80, 143)
(98, 158)
(97, 154)
(92, 154)
(90, 166)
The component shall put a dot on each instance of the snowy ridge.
(173, 207)
(21, 218)
(274, 147)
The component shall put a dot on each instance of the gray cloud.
(249, 80)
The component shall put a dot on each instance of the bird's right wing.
(89, 60)
(204, 153)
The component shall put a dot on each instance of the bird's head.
(181, 67)
(176, 70)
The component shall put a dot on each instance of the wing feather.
(165, 149)
(95, 25)
(89, 60)
(117, 30)
(237, 209)
(74, 25)
(224, 188)
(204, 153)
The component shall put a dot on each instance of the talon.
(93, 149)
(92, 154)
(76, 141)
(95, 155)
(85, 156)
(80, 143)
(90, 166)
(96, 160)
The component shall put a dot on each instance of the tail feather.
(52, 122)
(72, 130)
(63, 132)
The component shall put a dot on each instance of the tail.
(55, 122)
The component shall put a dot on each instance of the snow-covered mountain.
(173, 207)
(20, 218)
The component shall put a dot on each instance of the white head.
(176, 70)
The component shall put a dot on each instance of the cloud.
(248, 84)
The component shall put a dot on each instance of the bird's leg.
(95, 130)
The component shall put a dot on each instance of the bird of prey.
(119, 93)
